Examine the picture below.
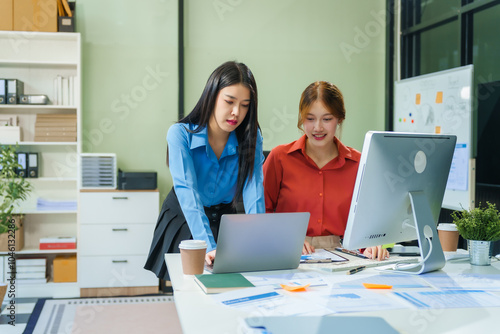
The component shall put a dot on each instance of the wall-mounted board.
(441, 103)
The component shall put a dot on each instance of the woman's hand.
(307, 249)
(210, 257)
(376, 252)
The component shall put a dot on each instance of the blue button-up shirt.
(200, 179)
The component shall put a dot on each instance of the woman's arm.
(183, 173)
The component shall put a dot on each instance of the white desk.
(198, 313)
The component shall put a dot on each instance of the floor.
(23, 309)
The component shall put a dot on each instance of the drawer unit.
(115, 239)
(115, 271)
(115, 233)
(124, 207)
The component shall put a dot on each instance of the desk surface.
(198, 313)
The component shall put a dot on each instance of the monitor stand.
(428, 240)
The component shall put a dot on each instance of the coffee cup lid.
(192, 244)
(447, 227)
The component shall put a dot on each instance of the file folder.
(3, 89)
(22, 160)
(33, 165)
(14, 89)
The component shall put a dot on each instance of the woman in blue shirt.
(215, 159)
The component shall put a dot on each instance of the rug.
(149, 314)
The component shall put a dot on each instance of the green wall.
(129, 74)
(287, 44)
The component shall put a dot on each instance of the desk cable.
(410, 266)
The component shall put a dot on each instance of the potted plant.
(13, 190)
(480, 227)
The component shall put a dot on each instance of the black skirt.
(171, 228)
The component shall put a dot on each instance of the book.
(65, 91)
(31, 275)
(32, 281)
(55, 139)
(58, 243)
(55, 133)
(52, 116)
(39, 128)
(31, 262)
(217, 283)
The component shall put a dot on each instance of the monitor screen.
(399, 191)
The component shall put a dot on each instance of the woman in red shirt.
(316, 173)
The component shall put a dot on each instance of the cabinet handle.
(120, 229)
(116, 197)
(119, 261)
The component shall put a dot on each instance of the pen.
(355, 270)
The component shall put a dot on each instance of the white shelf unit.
(37, 59)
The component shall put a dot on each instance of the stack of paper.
(55, 127)
(55, 205)
(31, 271)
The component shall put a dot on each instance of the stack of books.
(58, 243)
(55, 127)
(31, 271)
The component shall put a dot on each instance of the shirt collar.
(344, 151)
(200, 139)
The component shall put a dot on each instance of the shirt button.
(320, 172)
(319, 220)
(320, 194)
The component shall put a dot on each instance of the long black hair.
(228, 74)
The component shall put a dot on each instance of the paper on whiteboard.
(459, 171)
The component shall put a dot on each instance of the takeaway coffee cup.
(448, 235)
(193, 256)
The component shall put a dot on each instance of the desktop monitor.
(398, 194)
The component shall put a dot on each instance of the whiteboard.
(441, 103)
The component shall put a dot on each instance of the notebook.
(259, 242)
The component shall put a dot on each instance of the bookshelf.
(37, 59)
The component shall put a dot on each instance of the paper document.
(459, 170)
(450, 299)
(322, 255)
(463, 281)
(397, 281)
(266, 301)
(291, 279)
(346, 300)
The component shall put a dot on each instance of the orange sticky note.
(439, 97)
(438, 129)
(417, 99)
(376, 286)
(295, 288)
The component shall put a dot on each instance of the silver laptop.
(258, 242)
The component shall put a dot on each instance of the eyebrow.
(322, 115)
(232, 97)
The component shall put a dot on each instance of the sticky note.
(438, 129)
(439, 97)
(376, 286)
(294, 288)
(417, 99)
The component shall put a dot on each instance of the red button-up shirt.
(293, 183)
